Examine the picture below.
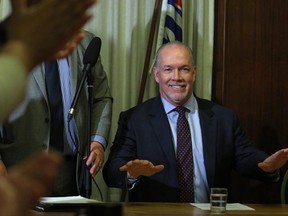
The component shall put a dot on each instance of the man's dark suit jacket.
(144, 133)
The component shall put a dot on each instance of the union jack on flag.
(173, 21)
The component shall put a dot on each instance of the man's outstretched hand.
(136, 168)
(275, 161)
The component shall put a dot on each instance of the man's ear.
(156, 73)
(194, 70)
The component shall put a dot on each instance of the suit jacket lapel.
(39, 76)
(208, 128)
(161, 127)
(74, 63)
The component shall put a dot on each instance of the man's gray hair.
(169, 44)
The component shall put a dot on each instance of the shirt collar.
(191, 104)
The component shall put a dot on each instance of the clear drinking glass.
(218, 200)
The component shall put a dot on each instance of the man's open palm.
(138, 168)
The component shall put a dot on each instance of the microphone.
(90, 58)
(91, 54)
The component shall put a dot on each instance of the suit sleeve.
(102, 103)
(121, 152)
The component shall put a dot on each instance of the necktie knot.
(181, 110)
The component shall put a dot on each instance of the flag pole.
(148, 52)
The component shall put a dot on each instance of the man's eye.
(168, 70)
(185, 70)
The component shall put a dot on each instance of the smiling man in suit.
(144, 156)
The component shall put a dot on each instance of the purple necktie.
(185, 167)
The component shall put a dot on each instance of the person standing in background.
(29, 128)
(24, 184)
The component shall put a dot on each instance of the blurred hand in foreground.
(26, 183)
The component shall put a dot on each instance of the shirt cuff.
(275, 175)
(100, 139)
(131, 182)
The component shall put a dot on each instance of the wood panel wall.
(250, 75)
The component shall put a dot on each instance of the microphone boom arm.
(79, 89)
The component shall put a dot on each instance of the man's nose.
(176, 74)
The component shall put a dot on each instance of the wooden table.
(180, 209)
(177, 209)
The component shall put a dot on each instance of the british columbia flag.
(173, 21)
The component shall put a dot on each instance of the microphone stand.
(87, 186)
(89, 78)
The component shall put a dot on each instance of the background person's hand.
(41, 30)
(96, 158)
(69, 46)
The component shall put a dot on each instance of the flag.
(169, 29)
(173, 21)
(170, 22)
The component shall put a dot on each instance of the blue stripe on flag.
(173, 27)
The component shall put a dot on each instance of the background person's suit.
(27, 129)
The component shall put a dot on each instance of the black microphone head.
(92, 52)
